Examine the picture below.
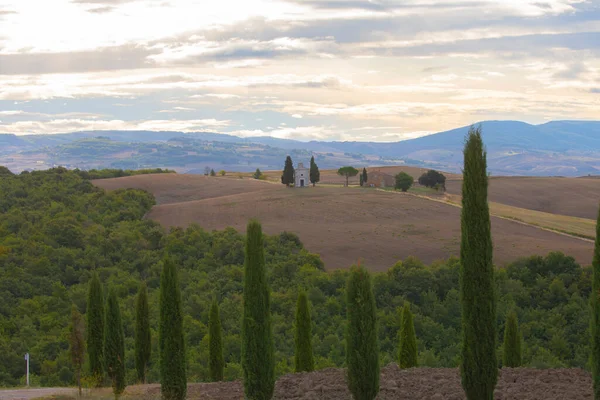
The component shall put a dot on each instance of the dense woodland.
(56, 228)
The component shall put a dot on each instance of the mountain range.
(563, 148)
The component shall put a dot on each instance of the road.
(27, 394)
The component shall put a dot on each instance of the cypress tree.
(304, 361)
(288, 172)
(315, 175)
(143, 338)
(407, 353)
(114, 344)
(362, 348)
(257, 337)
(95, 329)
(216, 344)
(365, 177)
(512, 342)
(478, 365)
(171, 345)
(595, 320)
(77, 344)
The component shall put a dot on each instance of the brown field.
(395, 384)
(343, 225)
(577, 197)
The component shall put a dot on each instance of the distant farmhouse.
(301, 176)
(380, 179)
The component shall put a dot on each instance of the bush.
(404, 181)
(432, 178)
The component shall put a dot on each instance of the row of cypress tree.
(478, 365)
(105, 338)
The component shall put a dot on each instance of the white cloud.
(70, 125)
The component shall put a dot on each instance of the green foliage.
(347, 172)
(404, 181)
(114, 344)
(257, 174)
(257, 335)
(40, 280)
(315, 175)
(511, 356)
(222, 172)
(479, 368)
(171, 336)
(118, 173)
(303, 361)
(361, 340)
(287, 178)
(212, 172)
(365, 176)
(217, 363)
(5, 171)
(595, 319)
(407, 351)
(77, 343)
(95, 329)
(143, 335)
(432, 179)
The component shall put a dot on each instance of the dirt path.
(27, 394)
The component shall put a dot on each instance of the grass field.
(343, 225)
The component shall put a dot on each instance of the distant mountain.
(567, 148)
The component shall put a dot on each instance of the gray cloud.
(103, 2)
(574, 71)
(101, 10)
(111, 58)
(513, 46)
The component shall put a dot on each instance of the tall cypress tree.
(171, 344)
(95, 329)
(595, 320)
(257, 337)
(77, 344)
(365, 177)
(362, 348)
(287, 178)
(143, 338)
(512, 342)
(304, 361)
(216, 344)
(478, 365)
(407, 352)
(114, 344)
(315, 175)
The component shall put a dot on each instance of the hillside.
(56, 227)
(342, 225)
(563, 196)
(559, 148)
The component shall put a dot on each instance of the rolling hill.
(342, 225)
(558, 148)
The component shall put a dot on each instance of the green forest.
(56, 228)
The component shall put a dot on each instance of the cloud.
(129, 56)
(101, 10)
(72, 125)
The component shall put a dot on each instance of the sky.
(367, 70)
